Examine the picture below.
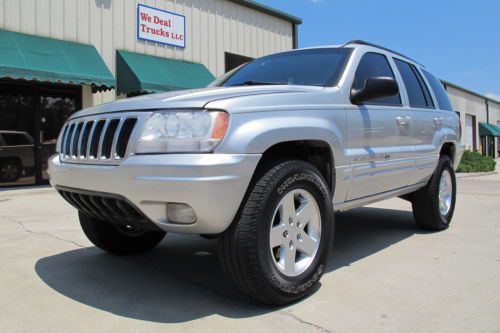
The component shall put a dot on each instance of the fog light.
(180, 213)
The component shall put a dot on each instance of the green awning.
(144, 73)
(486, 129)
(30, 57)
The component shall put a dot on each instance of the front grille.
(103, 139)
(106, 207)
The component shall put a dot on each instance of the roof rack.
(362, 42)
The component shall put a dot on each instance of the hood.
(190, 99)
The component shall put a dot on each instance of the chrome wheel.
(295, 232)
(445, 192)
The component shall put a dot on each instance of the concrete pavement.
(384, 275)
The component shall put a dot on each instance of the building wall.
(212, 28)
(467, 103)
(494, 112)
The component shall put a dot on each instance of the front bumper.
(212, 184)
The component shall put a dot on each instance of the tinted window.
(14, 139)
(316, 67)
(373, 65)
(439, 92)
(418, 94)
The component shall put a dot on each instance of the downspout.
(487, 111)
(295, 35)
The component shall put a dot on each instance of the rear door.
(379, 135)
(427, 121)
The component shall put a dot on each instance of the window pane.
(14, 139)
(315, 67)
(413, 85)
(441, 95)
(375, 65)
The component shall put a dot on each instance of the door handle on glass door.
(403, 121)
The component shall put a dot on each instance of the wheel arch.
(448, 149)
(317, 152)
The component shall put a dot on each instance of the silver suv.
(262, 158)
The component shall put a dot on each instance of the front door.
(31, 115)
(379, 136)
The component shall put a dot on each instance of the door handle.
(403, 121)
(438, 121)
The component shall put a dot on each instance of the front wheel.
(276, 249)
(116, 239)
(433, 205)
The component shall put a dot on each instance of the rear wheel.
(117, 239)
(433, 205)
(10, 170)
(276, 249)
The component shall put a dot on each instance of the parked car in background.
(262, 158)
(16, 155)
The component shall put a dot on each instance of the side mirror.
(375, 87)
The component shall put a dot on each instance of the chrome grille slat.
(101, 139)
(115, 139)
(79, 144)
(83, 139)
(91, 135)
(67, 140)
(109, 137)
(72, 141)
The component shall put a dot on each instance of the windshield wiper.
(258, 83)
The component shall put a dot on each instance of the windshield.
(313, 67)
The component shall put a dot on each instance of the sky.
(457, 40)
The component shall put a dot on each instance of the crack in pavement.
(318, 327)
(25, 229)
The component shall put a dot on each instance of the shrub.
(475, 162)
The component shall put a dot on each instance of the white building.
(479, 118)
(58, 56)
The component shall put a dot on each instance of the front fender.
(254, 133)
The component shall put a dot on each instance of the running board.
(377, 197)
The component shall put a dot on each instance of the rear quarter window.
(439, 92)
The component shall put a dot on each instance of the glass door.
(54, 108)
(17, 132)
(31, 116)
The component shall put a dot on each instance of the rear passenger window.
(439, 92)
(418, 94)
(373, 65)
(15, 139)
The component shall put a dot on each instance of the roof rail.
(362, 42)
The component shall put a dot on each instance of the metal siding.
(28, 17)
(467, 103)
(213, 27)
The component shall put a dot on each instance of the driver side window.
(373, 65)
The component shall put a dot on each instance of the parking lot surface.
(384, 274)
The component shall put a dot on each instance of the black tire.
(245, 246)
(111, 238)
(425, 202)
(10, 170)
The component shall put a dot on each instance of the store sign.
(160, 26)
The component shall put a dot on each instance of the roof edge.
(268, 10)
(456, 86)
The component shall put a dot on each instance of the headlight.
(182, 131)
